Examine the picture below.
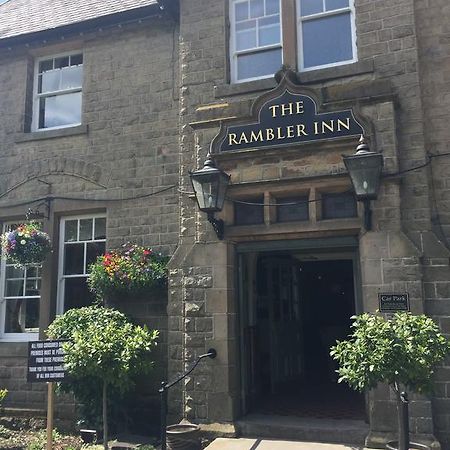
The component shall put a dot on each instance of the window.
(292, 209)
(325, 31)
(57, 92)
(255, 39)
(82, 239)
(20, 300)
(338, 206)
(249, 211)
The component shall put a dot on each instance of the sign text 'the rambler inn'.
(289, 119)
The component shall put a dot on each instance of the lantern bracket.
(218, 225)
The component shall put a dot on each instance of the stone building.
(89, 139)
(163, 87)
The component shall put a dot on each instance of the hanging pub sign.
(45, 361)
(393, 302)
(288, 119)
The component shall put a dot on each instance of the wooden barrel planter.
(393, 445)
(183, 437)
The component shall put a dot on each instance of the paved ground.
(267, 444)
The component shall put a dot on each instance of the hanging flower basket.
(130, 270)
(26, 244)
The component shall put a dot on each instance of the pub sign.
(289, 118)
(45, 361)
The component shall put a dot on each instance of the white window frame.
(61, 276)
(37, 96)
(300, 20)
(235, 53)
(13, 337)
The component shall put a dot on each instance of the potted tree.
(103, 353)
(402, 352)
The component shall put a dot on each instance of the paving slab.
(269, 444)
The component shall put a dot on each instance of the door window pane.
(259, 64)
(327, 40)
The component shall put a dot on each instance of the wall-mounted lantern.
(364, 168)
(210, 186)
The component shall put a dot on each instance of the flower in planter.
(26, 244)
(132, 269)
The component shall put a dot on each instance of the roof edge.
(86, 25)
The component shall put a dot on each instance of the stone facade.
(126, 147)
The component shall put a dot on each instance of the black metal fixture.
(163, 392)
(210, 186)
(364, 168)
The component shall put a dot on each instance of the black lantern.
(210, 186)
(364, 168)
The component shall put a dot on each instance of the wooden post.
(50, 409)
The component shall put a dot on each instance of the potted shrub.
(132, 270)
(402, 352)
(26, 244)
(103, 354)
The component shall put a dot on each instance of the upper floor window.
(57, 92)
(323, 29)
(256, 50)
(326, 33)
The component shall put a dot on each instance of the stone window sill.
(51, 134)
(314, 76)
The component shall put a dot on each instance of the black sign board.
(287, 119)
(45, 361)
(393, 302)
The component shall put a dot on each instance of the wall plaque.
(289, 118)
(393, 302)
(45, 361)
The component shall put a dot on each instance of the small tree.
(103, 353)
(402, 352)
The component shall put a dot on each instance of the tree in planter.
(402, 352)
(103, 353)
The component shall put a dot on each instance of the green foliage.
(132, 269)
(103, 346)
(3, 393)
(402, 351)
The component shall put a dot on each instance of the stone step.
(268, 444)
(303, 429)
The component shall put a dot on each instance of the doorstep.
(267, 444)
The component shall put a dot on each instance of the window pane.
(76, 293)
(100, 228)
(33, 272)
(60, 110)
(22, 316)
(327, 40)
(272, 6)
(259, 64)
(61, 62)
(73, 259)
(70, 231)
(269, 31)
(245, 214)
(241, 11)
(71, 77)
(256, 8)
(32, 287)
(45, 65)
(86, 229)
(246, 35)
(14, 288)
(94, 249)
(14, 272)
(295, 209)
(338, 206)
(76, 59)
(50, 81)
(335, 4)
(308, 7)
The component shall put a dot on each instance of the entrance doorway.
(294, 307)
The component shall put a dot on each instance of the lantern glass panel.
(365, 173)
